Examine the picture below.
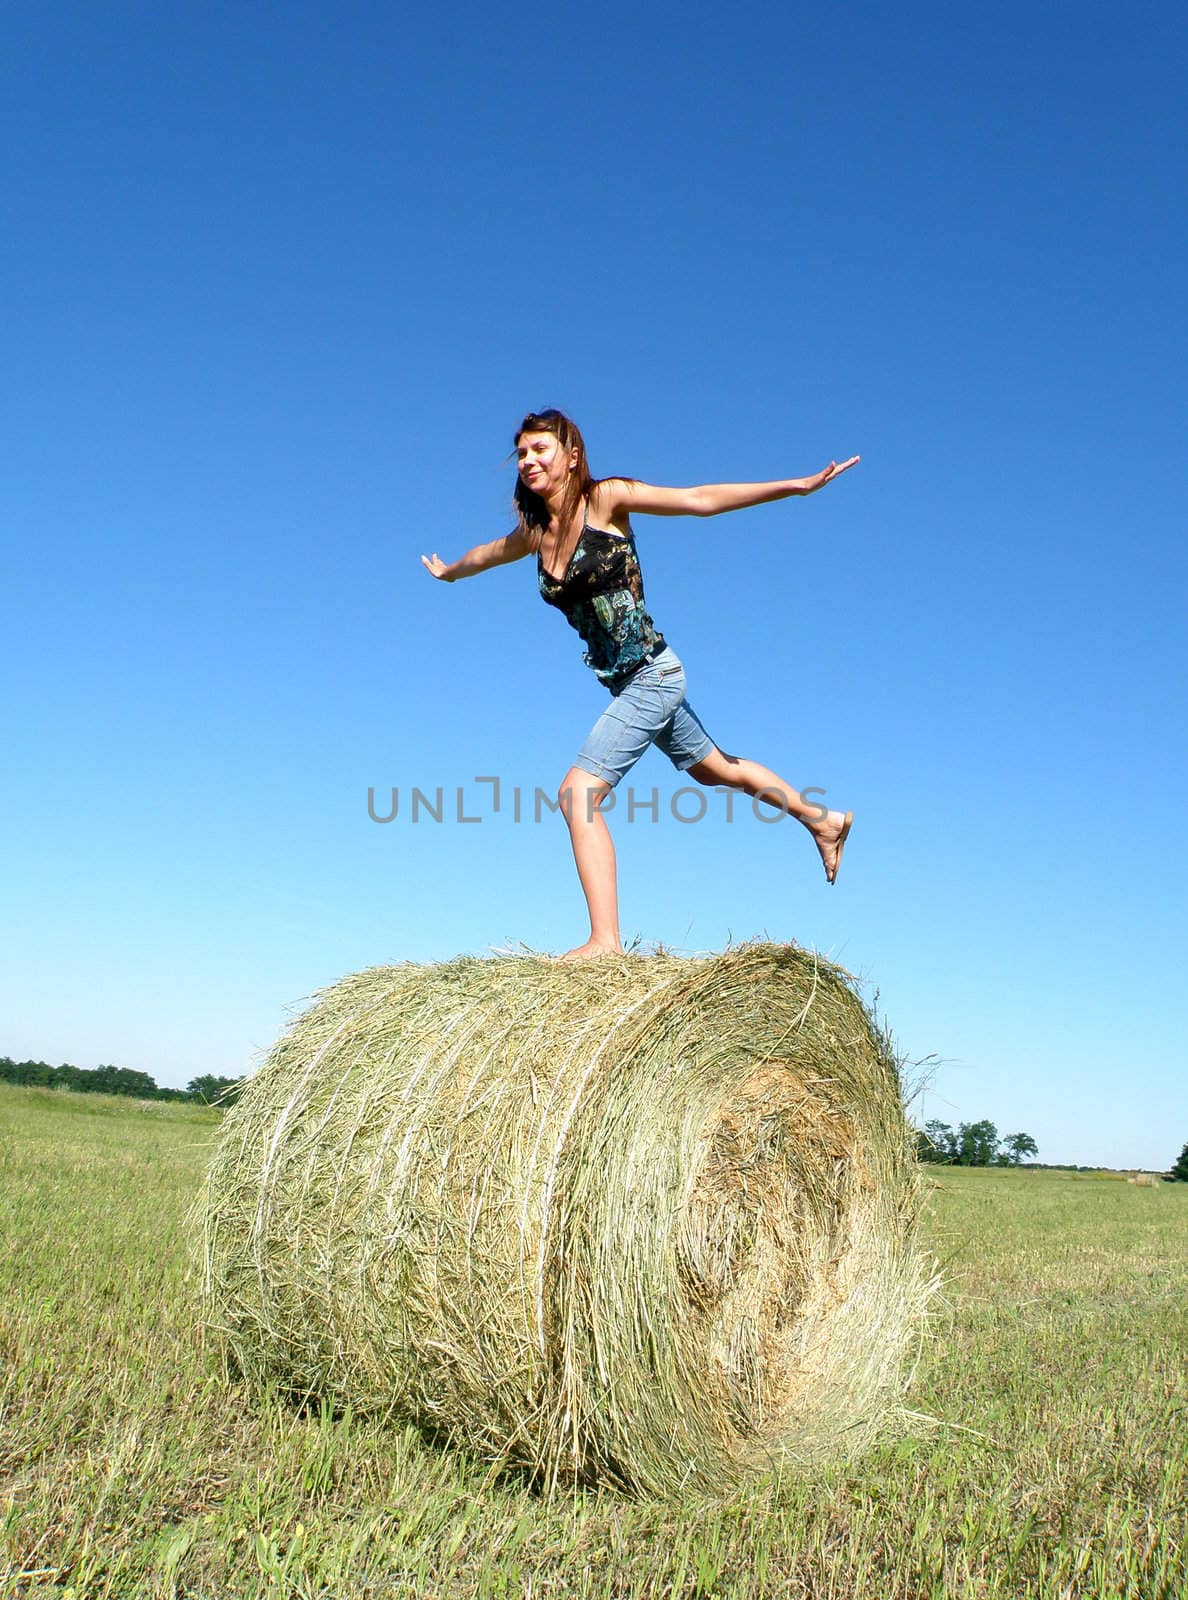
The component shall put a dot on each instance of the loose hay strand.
(647, 1221)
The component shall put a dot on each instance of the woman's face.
(542, 463)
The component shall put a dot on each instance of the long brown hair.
(531, 510)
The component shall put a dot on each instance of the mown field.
(1056, 1367)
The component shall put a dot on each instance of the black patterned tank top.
(601, 595)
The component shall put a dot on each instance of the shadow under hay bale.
(646, 1221)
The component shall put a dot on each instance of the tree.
(103, 1079)
(32, 1074)
(1019, 1145)
(977, 1144)
(210, 1089)
(107, 1079)
(1179, 1170)
(937, 1143)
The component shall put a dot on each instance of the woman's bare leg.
(736, 772)
(580, 795)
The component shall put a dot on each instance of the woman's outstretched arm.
(495, 554)
(622, 495)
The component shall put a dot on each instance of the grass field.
(128, 1467)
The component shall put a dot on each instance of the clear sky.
(278, 282)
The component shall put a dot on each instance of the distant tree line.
(972, 1144)
(203, 1090)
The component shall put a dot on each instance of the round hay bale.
(646, 1221)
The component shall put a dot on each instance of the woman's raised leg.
(830, 829)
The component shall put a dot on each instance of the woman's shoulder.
(609, 506)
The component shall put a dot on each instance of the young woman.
(579, 529)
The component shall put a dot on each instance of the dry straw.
(645, 1221)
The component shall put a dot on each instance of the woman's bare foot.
(830, 834)
(587, 951)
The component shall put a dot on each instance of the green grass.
(128, 1467)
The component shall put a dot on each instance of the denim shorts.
(648, 708)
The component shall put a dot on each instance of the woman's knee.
(581, 793)
(717, 767)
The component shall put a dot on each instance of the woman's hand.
(437, 567)
(820, 479)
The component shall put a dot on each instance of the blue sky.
(279, 282)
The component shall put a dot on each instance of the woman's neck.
(556, 530)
